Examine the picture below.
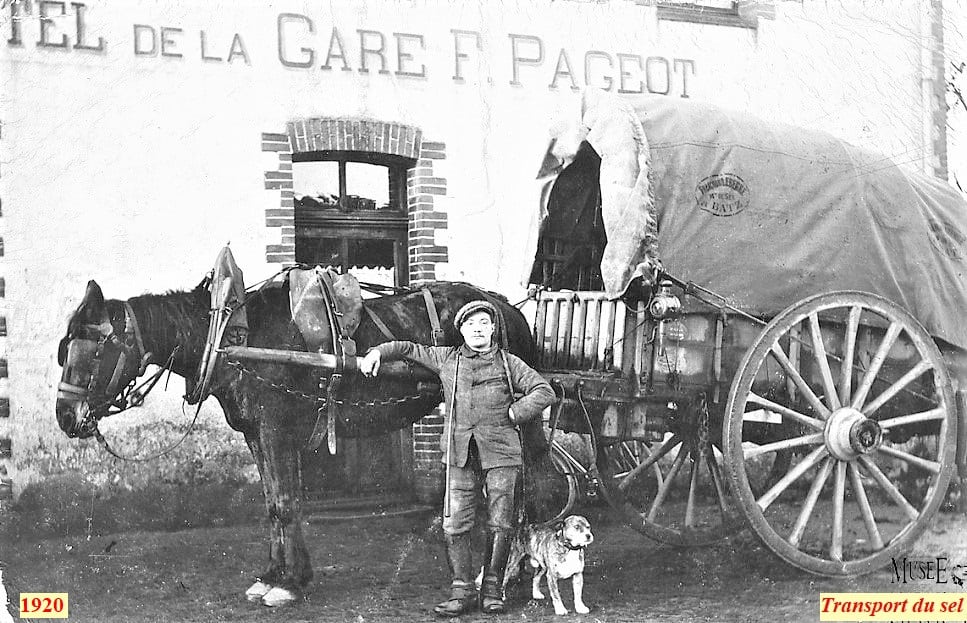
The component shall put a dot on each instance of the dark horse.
(276, 423)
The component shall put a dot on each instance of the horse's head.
(101, 355)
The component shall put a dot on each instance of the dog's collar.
(568, 545)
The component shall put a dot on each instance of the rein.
(104, 444)
(135, 398)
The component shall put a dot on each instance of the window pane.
(370, 253)
(367, 186)
(322, 251)
(316, 184)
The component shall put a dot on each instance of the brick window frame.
(424, 184)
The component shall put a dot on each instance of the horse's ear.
(93, 297)
(92, 306)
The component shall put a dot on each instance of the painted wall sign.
(306, 43)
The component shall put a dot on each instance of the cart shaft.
(324, 361)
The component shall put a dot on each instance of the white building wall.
(955, 70)
(134, 169)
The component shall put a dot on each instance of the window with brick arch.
(350, 213)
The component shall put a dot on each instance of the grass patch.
(64, 506)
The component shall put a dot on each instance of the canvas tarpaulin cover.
(766, 214)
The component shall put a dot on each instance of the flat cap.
(472, 307)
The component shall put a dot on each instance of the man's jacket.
(482, 399)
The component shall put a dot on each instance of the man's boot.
(492, 587)
(463, 595)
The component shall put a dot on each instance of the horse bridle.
(129, 349)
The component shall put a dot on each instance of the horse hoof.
(278, 596)
(256, 591)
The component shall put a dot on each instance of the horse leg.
(289, 570)
(261, 585)
(246, 421)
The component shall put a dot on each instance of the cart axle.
(849, 434)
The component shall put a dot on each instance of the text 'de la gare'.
(302, 42)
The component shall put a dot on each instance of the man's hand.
(369, 365)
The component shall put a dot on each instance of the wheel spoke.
(630, 456)
(623, 459)
(819, 350)
(667, 485)
(690, 501)
(894, 389)
(795, 348)
(807, 392)
(716, 475)
(810, 502)
(664, 449)
(786, 411)
(785, 444)
(931, 466)
(839, 494)
(849, 345)
(889, 488)
(791, 476)
(891, 335)
(864, 503)
(933, 414)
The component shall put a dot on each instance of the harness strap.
(451, 414)
(521, 510)
(131, 328)
(335, 325)
(318, 430)
(118, 370)
(66, 390)
(436, 331)
(342, 345)
(510, 380)
(379, 323)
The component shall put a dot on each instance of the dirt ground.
(392, 569)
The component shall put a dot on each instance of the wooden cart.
(830, 430)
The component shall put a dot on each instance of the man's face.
(478, 330)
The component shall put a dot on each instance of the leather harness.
(344, 348)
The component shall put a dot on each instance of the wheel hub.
(849, 434)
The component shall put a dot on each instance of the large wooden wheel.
(855, 390)
(673, 491)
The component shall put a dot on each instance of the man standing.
(480, 442)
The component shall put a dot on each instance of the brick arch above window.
(342, 134)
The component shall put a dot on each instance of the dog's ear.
(559, 530)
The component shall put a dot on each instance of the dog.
(556, 551)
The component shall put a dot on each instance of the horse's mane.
(176, 310)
